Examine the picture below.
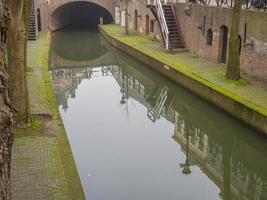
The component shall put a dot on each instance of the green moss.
(71, 174)
(205, 72)
(36, 125)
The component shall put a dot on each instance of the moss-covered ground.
(42, 165)
(247, 91)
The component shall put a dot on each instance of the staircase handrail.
(163, 23)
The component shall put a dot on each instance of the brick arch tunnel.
(82, 13)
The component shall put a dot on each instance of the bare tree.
(17, 49)
(233, 64)
(126, 16)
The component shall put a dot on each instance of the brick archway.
(55, 6)
(109, 5)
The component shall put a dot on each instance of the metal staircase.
(168, 23)
(32, 32)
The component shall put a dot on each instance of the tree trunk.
(233, 64)
(27, 13)
(17, 58)
(126, 23)
(6, 111)
(126, 18)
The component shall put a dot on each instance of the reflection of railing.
(154, 112)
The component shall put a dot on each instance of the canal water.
(138, 136)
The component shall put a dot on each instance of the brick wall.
(194, 29)
(144, 16)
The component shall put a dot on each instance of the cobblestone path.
(37, 168)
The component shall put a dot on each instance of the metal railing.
(247, 4)
(163, 23)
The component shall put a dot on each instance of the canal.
(138, 136)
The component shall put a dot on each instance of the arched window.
(39, 20)
(223, 44)
(209, 37)
(135, 20)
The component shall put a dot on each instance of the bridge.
(67, 12)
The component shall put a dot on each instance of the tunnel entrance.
(84, 14)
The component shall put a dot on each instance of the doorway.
(223, 44)
(39, 25)
(147, 25)
(135, 20)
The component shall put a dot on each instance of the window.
(209, 37)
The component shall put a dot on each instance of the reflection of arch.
(147, 24)
(209, 37)
(223, 43)
(106, 59)
(66, 45)
(39, 22)
(135, 20)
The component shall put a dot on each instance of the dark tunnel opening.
(80, 14)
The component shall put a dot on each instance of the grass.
(245, 91)
(36, 125)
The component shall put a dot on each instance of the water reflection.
(66, 81)
(67, 44)
(225, 150)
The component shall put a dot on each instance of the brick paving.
(33, 169)
(37, 168)
(38, 100)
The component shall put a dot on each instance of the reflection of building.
(66, 81)
(209, 154)
(149, 93)
(218, 153)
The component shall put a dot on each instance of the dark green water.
(137, 136)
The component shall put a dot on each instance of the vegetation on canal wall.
(75, 190)
(252, 113)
